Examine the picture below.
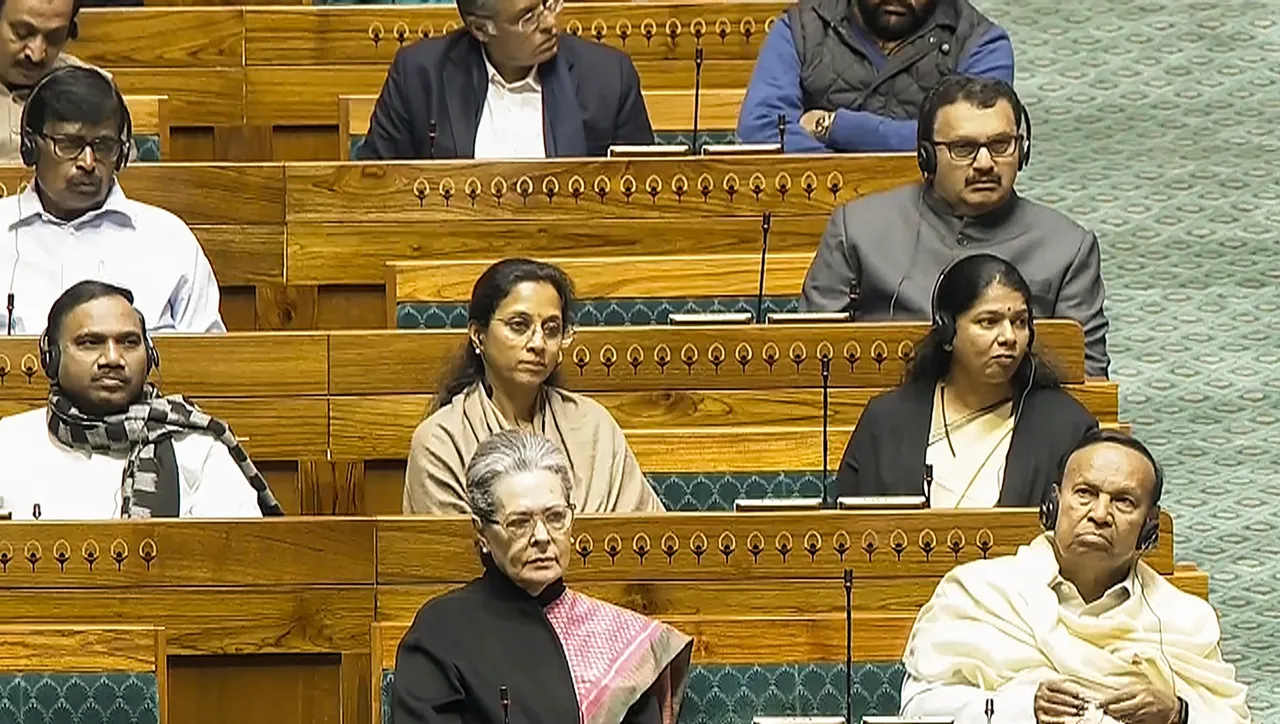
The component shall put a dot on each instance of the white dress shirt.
(511, 122)
(142, 248)
(69, 484)
(1013, 702)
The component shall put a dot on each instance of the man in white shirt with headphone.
(75, 222)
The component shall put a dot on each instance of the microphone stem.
(826, 413)
(766, 223)
(697, 93)
(848, 645)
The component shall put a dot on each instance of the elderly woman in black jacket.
(977, 405)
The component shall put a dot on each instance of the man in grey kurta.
(881, 254)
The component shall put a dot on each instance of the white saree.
(995, 629)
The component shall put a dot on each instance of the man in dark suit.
(507, 85)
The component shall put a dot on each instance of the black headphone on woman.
(945, 321)
(1149, 536)
(28, 147)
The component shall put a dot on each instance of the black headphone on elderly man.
(1149, 536)
(28, 147)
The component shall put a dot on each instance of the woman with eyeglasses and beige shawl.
(519, 323)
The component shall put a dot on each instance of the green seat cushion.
(722, 694)
(717, 491)
(597, 312)
(58, 698)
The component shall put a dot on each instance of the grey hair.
(511, 452)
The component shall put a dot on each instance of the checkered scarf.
(144, 432)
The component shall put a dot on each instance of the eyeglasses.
(521, 328)
(69, 148)
(532, 19)
(557, 518)
(967, 151)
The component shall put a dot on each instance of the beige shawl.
(974, 475)
(607, 478)
(992, 623)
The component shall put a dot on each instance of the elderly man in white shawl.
(1075, 629)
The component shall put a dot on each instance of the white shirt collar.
(31, 207)
(528, 84)
(1069, 596)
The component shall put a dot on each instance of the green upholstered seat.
(596, 312)
(717, 491)
(723, 694)
(80, 698)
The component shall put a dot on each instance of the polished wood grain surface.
(872, 354)
(199, 97)
(309, 611)
(352, 252)
(669, 110)
(745, 546)
(646, 277)
(248, 364)
(380, 426)
(137, 649)
(372, 35)
(151, 38)
(678, 188)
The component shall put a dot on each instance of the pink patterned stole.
(616, 655)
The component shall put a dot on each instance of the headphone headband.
(28, 148)
(927, 155)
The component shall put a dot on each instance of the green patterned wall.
(1155, 126)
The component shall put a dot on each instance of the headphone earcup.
(153, 356)
(28, 150)
(1049, 509)
(50, 358)
(1150, 534)
(926, 160)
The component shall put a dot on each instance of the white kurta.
(68, 484)
(997, 628)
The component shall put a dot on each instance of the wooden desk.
(251, 83)
(347, 220)
(268, 622)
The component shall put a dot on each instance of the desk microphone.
(928, 485)
(9, 311)
(766, 223)
(782, 133)
(431, 139)
(697, 92)
(990, 711)
(504, 696)
(825, 360)
(848, 645)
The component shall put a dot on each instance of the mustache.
(982, 178)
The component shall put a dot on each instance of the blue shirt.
(775, 89)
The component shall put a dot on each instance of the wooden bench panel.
(301, 95)
(372, 35)
(147, 38)
(391, 362)
(254, 364)
(669, 110)
(636, 189)
(197, 96)
(721, 275)
(347, 252)
(82, 649)
(380, 426)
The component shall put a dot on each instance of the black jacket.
(590, 93)
(886, 453)
(464, 646)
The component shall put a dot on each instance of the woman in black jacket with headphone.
(978, 407)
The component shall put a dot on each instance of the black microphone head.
(504, 695)
(848, 576)
(991, 708)
(697, 55)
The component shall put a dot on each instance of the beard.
(885, 26)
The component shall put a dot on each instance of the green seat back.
(62, 698)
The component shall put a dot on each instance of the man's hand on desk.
(1059, 702)
(1143, 705)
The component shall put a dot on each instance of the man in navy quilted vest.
(851, 75)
